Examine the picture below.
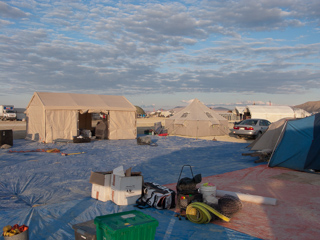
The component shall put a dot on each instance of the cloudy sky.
(161, 54)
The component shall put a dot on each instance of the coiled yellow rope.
(198, 212)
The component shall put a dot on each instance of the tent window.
(184, 115)
(209, 115)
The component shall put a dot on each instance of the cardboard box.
(101, 193)
(125, 190)
(101, 182)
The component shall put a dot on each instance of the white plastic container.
(208, 193)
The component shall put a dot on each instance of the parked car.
(237, 123)
(251, 128)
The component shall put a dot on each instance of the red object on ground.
(163, 134)
(296, 214)
(23, 228)
(16, 226)
(49, 150)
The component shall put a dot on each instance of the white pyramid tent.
(197, 120)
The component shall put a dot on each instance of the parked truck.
(7, 113)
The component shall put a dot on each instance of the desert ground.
(19, 129)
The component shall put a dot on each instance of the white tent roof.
(198, 111)
(271, 113)
(83, 102)
(239, 110)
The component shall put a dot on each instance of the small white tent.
(52, 116)
(197, 120)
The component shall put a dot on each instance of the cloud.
(8, 11)
(4, 23)
(160, 47)
(262, 15)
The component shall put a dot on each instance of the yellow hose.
(198, 212)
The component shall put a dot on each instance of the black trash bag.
(145, 140)
(189, 184)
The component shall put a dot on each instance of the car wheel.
(258, 135)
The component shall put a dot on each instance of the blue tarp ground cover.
(50, 192)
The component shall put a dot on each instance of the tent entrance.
(96, 123)
(246, 114)
(84, 122)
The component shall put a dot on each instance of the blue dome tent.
(298, 147)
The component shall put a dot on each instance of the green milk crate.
(130, 225)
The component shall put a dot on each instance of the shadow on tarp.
(210, 160)
(50, 192)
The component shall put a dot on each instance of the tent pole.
(275, 146)
(197, 129)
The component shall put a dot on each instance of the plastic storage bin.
(130, 225)
(85, 230)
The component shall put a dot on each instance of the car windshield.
(250, 122)
(10, 111)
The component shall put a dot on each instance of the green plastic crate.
(130, 225)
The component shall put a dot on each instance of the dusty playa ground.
(19, 129)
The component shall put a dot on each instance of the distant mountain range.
(218, 109)
(221, 109)
(311, 107)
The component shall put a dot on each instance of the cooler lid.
(122, 220)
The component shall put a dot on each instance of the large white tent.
(271, 113)
(52, 116)
(197, 120)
